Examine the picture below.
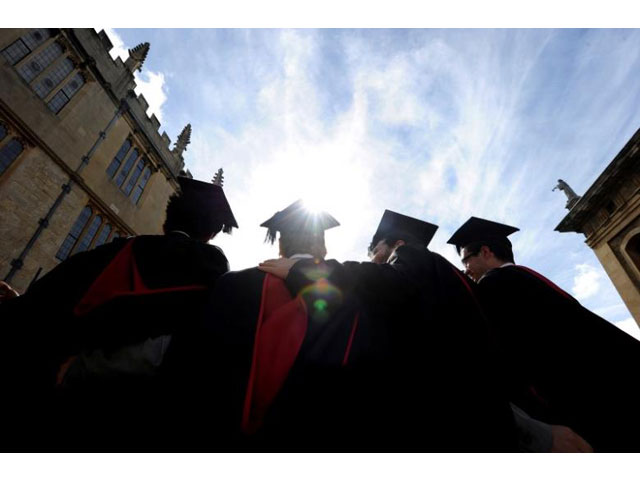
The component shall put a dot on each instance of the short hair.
(391, 238)
(292, 242)
(193, 215)
(500, 249)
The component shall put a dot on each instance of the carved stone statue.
(572, 197)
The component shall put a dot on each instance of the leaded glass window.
(104, 234)
(134, 176)
(15, 52)
(53, 78)
(26, 44)
(38, 62)
(127, 167)
(140, 188)
(61, 98)
(117, 160)
(73, 235)
(46, 62)
(89, 234)
(73, 85)
(58, 101)
(9, 153)
(37, 37)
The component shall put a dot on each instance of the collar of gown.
(301, 255)
(507, 264)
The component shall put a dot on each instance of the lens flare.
(322, 296)
(320, 304)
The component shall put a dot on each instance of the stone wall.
(56, 146)
(27, 192)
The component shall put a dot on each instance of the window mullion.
(6, 139)
(129, 175)
(124, 158)
(97, 235)
(60, 85)
(47, 70)
(38, 49)
(94, 213)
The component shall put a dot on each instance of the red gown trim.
(350, 342)
(121, 278)
(280, 332)
(545, 280)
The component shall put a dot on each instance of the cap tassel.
(271, 236)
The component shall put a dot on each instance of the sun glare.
(333, 177)
(313, 204)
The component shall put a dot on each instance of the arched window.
(134, 176)
(135, 198)
(88, 236)
(73, 235)
(65, 94)
(9, 152)
(633, 249)
(117, 160)
(39, 61)
(3, 131)
(104, 234)
(127, 167)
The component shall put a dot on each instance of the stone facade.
(67, 110)
(608, 214)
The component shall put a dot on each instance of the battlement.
(166, 139)
(117, 77)
(143, 102)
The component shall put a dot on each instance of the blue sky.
(440, 124)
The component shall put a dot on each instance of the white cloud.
(392, 87)
(587, 281)
(460, 117)
(150, 84)
(615, 311)
(119, 49)
(629, 326)
(292, 153)
(154, 88)
(442, 126)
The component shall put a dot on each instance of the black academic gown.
(309, 410)
(565, 365)
(112, 410)
(424, 359)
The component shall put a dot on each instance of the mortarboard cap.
(296, 217)
(478, 229)
(213, 196)
(398, 225)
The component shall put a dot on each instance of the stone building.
(608, 214)
(81, 162)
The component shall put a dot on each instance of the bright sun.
(326, 177)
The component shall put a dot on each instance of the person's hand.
(566, 440)
(278, 266)
(7, 292)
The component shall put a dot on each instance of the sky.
(439, 124)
